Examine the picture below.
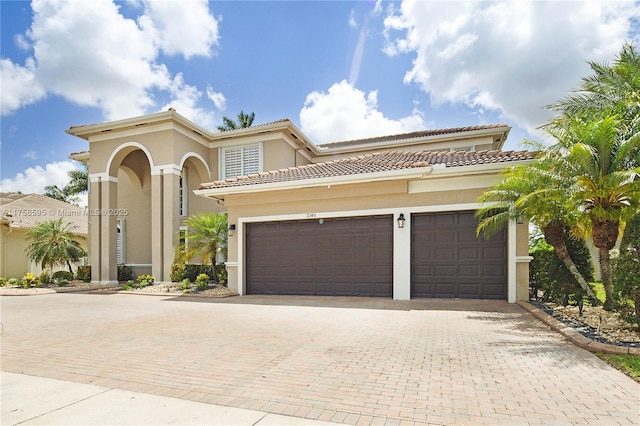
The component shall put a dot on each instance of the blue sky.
(339, 69)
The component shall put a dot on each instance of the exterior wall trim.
(190, 154)
(126, 145)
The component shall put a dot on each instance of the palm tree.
(79, 182)
(607, 193)
(54, 243)
(610, 90)
(244, 120)
(536, 193)
(206, 237)
(77, 185)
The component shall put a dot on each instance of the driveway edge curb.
(574, 336)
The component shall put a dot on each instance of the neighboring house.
(21, 212)
(390, 216)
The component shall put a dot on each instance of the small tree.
(54, 243)
(206, 237)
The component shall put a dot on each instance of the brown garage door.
(449, 261)
(337, 257)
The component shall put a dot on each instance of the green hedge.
(549, 275)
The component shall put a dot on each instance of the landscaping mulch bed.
(171, 288)
(162, 288)
(594, 323)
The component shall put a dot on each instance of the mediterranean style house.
(21, 212)
(391, 216)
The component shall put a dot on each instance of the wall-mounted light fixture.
(400, 221)
(232, 228)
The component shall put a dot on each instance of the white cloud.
(184, 98)
(512, 57)
(90, 54)
(352, 19)
(217, 98)
(181, 27)
(345, 112)
(34, 179)
(31, 154)
(19, 86)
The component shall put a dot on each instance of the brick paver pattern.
(353, 361)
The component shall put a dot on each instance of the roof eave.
(413, 173)
(468, 134)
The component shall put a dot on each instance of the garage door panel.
(472, 253)
(444, 254)
(343, 256)
(448, 260)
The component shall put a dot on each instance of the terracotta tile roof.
(405, 136)
(372, 163)
(27, 210)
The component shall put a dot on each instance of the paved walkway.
(354, 361)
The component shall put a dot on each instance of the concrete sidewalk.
(31, 400)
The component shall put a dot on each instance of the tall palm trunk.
(554, 235)
(605, 235)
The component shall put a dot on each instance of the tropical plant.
(79, 182)
(244, 120)
(626, 273)
(202, 282)
(206, 237)
(62, 275)
(606, 193)
(537, 193)
(30, 280)
(54, 243)
(77, 185)
(611, 90)
(83, 273)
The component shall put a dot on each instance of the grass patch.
(628, 364)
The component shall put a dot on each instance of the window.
(183, 188)
(240, 161)
(121, 257)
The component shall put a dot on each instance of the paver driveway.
(357, 361)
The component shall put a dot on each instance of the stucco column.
(402, 258)
(108, 230)
(171, 218)
(94, 244)
(157, 224)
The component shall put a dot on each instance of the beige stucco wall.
(356, 199)
(14, 262)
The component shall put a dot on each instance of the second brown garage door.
(449, 261)
(338, 257)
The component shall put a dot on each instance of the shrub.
(125, 273)
(548, 274)
(62, 282)
(202, 282)
(626, 270)
(13, 282)
(221, 273)
(177, 272)
(184, 285)
(128, 286)
(192, 271)
(150, 279)
(30, 280)
(3, 282)
(45, 278)
(84, 273)
(62, 275)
